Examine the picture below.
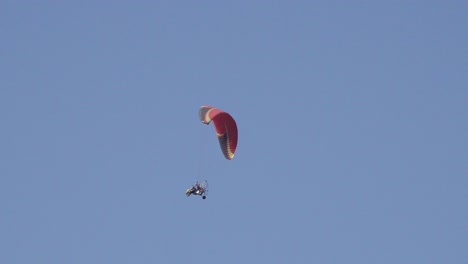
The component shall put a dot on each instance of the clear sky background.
(352, 117)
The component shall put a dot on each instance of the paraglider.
(226, 131)
(225, 126)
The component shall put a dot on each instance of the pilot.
(190, 191)
(197, 189)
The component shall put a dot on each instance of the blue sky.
(352, 125)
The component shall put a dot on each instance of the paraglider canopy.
(225, 127)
